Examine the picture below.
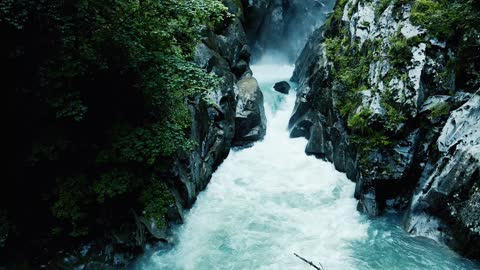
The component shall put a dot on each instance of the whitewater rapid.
(266, 202)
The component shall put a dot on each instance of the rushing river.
(266, 202)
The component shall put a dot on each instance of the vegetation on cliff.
(99, 92)
(453, 22)
(393, 81)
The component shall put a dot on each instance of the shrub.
(359, 121)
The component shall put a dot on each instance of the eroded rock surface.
(400, 125)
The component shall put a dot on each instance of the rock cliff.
(232, 114)
(388, 103)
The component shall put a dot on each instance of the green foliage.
(359, 121)
(366, 144)
(73, 196)
(337, 14)
(444, 18)
(112, 184)
(455, 21)
(440, 110)
(395, 116)
(104, 90)
(69, 106)
(13, 13)
(352, 78)
(381, 7)
(157, 200)
(146, 145)
(400, 52)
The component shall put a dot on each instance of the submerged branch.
(309, 262)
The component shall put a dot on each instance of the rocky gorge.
(382, 99)
(231, 115)
(384, 94)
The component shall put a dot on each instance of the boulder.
(282, 87)
(450, 194)
(250, 120)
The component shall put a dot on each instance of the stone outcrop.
(282, 87)
(450, 191)
(250, 120)
(396, 123)
(232, 114)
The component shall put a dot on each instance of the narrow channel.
(266, 202)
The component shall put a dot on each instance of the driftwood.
(309, 262)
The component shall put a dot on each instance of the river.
(266, 202)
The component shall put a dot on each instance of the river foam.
(266, 202)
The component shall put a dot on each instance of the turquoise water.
(266, 202)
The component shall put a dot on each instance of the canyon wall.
(390, 103)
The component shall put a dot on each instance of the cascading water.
(266, 202)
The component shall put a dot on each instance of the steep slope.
(119, 123)
(233, 104)
(376, 91)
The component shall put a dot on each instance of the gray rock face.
(451, 192)
(232, 115)
(282, 87)
(431, 150)
(250, 120)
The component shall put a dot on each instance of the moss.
(381, 7)
(445, 18)
(359, 121)
(336, 16)
(400, 52)
(398, 6)
(351, 78)
(394, 116)
(440, 110)
(366, 144)
(113, 183)
(157, 200)
(365, 24)
(347, 105)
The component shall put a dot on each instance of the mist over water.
(284, 25)
(266, 202)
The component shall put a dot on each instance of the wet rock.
(250, 120)
(208, 58)
(368, 204)
(419, 133)
(451, 189)
(282, 87)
